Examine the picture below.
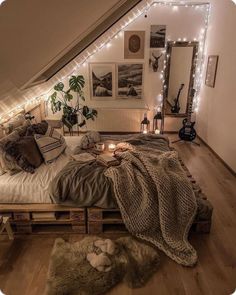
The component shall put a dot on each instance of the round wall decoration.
(134, 43)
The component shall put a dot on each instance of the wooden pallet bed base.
(82, 220)
(45, 218)
(110, 221)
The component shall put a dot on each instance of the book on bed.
(107, 160)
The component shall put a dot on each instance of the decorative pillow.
(89, 139)
(23, 129)
(51, 145)
(7, 163)
(13, 123)
(25, 152)
(40, 128)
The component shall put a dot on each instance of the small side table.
(5, 225)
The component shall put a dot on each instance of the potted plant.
(61, 100)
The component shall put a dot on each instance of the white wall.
(126, 114)
(216, 119)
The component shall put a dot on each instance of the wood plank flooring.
(24, 262)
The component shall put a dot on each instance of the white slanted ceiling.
(35, 34)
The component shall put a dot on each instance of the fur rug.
(72, 273)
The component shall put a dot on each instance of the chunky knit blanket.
(156, 200)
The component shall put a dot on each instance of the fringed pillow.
(7, 163)
(51, 145)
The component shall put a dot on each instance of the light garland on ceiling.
(82, 59)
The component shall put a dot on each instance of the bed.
(26, 200)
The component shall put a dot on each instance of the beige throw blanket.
(156, 200)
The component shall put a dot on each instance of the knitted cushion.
(51, 145)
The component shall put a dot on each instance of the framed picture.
(211, 70)
(134, 44)
(156, 60)
(130, 80)
(157, 36)
(102, 81)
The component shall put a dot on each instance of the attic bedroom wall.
(33, 33)
(126, 114)
(216, 118)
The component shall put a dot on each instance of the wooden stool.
(5, 225)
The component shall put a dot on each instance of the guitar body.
(187, 132)
(176, 108)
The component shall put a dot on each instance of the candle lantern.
(157, 122)
(145, 125)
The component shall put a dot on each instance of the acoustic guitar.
(176, 107)
(187, 132)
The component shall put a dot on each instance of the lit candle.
(157, 131)
(111, 147)
(145, 132)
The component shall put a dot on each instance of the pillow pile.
(27, 147)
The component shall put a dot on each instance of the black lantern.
(157, 120)
(145, 125)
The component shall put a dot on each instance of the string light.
(136, 12)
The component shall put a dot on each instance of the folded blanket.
(156, 200)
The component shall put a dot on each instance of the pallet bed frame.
(81, 220)
(78, 220)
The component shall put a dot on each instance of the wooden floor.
(24, 262)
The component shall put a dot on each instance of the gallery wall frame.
(129, 80)
(212, 65)
(157, 36)
(134, 44)
(102, 81)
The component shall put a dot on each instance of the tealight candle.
(145, 132)
(157, 131)
(111, 147)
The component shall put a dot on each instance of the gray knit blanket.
(156, 200)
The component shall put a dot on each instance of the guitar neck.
(189, 115)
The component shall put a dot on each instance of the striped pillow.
(51, 145)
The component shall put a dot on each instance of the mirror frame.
(170, 45)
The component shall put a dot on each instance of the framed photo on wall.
(157, 36)
(156, 60)
(212, 65)
(134, 43)
(129, 80)
(102, 81)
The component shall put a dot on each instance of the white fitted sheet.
(33, 188)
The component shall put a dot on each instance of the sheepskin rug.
(94, 265)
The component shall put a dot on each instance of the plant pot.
(70, 120)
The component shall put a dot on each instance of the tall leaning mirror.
(179, 76)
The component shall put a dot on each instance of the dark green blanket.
(83, 185)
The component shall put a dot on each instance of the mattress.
(33, 188)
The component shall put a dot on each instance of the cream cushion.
(51, 145)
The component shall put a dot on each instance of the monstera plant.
(61, 99)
